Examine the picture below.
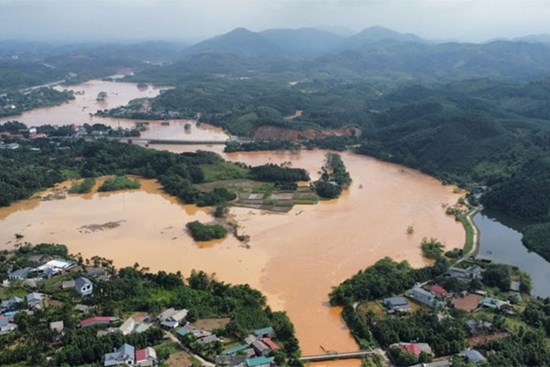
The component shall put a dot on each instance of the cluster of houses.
(254, 352)
(202, 337)
(30, 277)
(437, 297)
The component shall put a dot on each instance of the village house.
(230, 360)
(397, 304)
(10, 304)
(259, 362)
(83, 286)
(127, 326)
(125, 355)
(478, 327)
(171, 318)
(141, 328)
(473, 356)
(35, 301)
(57, 326)
(239, 349)
(438, 291)
(423, 296)
(261, 348)
(6, 326)
(55, 267)
(494, 304)
(266, 332)
(146, 357)
(197, 333)
(207, 339)
(19, 274)
(413, 348)
(270, 343)
(97, 320)
(465, 275)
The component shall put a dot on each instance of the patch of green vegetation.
(222, 171)
(537, 239)
(273, 173)
(206, 232)
(334, 178)
(432, 248)
(119, 183)
(468, 227)
(70, 174)
(83, 187)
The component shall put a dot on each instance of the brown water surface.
(294, 258)
(80, 111)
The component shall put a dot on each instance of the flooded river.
(294, 258)
(81, 110)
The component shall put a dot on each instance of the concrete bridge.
(174, 141)
(335, 356)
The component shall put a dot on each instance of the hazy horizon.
(66, 21)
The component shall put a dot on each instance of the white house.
(83, 286)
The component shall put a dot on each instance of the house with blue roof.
(235, 350)
(423, 296)
(259, 362)
(473, 356)
(125, 355)
(266, 332)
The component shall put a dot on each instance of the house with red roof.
(271, 344)
(97, 320)
(438, 291)
(413, 348)
(146, 357)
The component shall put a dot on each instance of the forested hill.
(373, 54)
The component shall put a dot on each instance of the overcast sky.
(192, 20)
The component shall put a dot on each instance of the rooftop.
(258, 361)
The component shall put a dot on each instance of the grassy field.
(222, 171)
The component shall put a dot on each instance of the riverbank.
(471, 246)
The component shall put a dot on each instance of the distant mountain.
(436, 62)
(287, 43)
(303, 42)
(534, 38)
(239, 41)
(378, 34)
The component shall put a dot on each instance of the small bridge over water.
(335, 356)
(175, 141)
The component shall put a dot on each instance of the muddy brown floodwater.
(294, 258)
(80, 111)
